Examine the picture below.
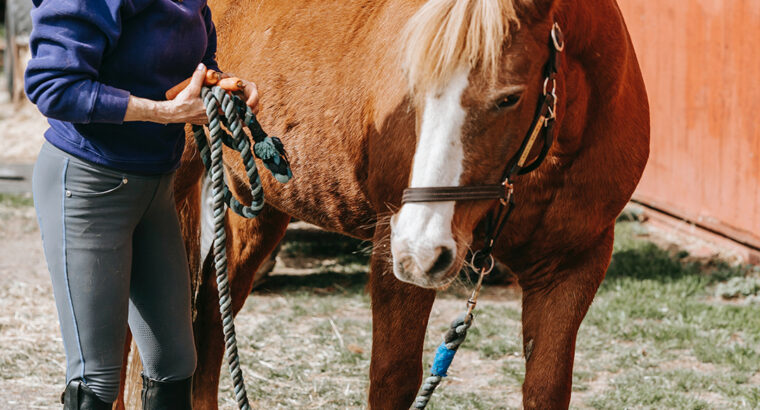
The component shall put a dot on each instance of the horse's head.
(476, 70)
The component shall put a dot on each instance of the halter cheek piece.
(546, 114)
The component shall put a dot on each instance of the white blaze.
(420, 229)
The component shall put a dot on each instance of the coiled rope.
(235, 114)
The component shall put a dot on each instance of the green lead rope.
(235, 114)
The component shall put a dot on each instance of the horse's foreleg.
(249, 243)
(400, 313)
(552, 312)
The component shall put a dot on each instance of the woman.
(103, 185)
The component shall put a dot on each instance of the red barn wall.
(701, 65)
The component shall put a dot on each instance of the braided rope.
(453, 338)
(270, 151)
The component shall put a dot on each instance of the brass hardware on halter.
(558, 39)
(509, 189)
(482, 269)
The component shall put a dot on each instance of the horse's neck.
(332, 88)
(597, 38)
(603, 137)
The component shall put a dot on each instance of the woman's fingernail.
(201, 67)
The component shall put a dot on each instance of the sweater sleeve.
(209, 58)
(68, 41)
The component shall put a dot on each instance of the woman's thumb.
(197, 82)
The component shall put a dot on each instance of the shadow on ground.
(324, 283)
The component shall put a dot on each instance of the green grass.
(16, 200)
(655, 318)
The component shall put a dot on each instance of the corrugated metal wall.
(701, 65)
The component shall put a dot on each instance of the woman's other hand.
(251, 93)
(248, 89)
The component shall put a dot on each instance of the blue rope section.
(442, 361)
(453, 338)
(235, 114)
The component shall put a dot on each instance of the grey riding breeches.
(115, 253)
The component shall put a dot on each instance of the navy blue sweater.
(89, 56)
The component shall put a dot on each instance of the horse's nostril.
(442, 262)
(407, 263)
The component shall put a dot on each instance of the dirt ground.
(21, 131)
(29, 334)
(31, 357)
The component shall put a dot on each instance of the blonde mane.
(445, 36)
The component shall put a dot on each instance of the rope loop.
(231, 112)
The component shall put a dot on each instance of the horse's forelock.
(446, 36)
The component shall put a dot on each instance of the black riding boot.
(78, 396)
(175, 395)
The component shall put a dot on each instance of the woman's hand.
(187, 107)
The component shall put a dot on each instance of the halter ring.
(490, 268)
(558, 38)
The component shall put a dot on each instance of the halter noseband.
(546, 114)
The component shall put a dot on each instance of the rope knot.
(457, 331)
(271, 151)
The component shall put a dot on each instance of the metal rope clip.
(553, 107)
(473, 300)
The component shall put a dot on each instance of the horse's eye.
(508, 101)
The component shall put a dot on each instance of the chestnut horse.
(373, 96)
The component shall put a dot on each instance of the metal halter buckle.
(554, 86)
(553, 108)
(509, 190)
(558, 38)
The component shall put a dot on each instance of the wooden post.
(21, 55)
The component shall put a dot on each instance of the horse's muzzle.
(427, 269)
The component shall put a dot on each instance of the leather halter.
(546, 114)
